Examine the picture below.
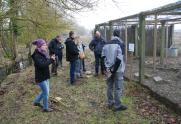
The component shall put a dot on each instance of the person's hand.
(108, 73)
(53, 57)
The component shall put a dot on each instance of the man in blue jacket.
(113, 54)
(96, 46)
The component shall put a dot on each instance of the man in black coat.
(72, 53)
(56, 47)
(96, 46)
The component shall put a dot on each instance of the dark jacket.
(72, 51)
(55, 47)
(41, 64)
(118, 41)
(96, 45)
(83, 46)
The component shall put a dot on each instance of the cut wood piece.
(53, 99)
(136, 74)
(58, 98)
(88, 72)
(148, 76)
(157, 79)
(88, 76)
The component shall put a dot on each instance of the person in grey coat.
(113, 56)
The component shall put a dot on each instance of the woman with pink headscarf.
(42, 74)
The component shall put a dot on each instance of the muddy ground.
(84, 103)
(169, 88)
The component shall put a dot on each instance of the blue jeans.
(115, 85)
(72, 71)
(44, 86)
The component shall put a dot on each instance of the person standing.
(114, 62)
(96, 46)
(42, 74)
(72, 54)
(56, 47)
(79, 65)
(60, 53)
(83, 60)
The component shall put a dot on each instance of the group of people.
(109, 55)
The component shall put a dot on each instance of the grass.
(85, 103)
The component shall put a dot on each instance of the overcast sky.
(107, 10)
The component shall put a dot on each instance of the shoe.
(54, 74)
(121, 108)
(72, 82)
(47, 110)
(38, 104)
(95, 75)
(81, 76)
(103, 73)
(110, 106)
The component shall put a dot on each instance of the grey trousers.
(115, 85)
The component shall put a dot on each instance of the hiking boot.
(72, 82)
(121, 108)
(38, 104)
(110, 106)
(96, 75)
(54, 74)
(47, 110)
(103, 72)
(81, 76)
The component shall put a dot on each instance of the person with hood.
(42, 75)
(113, 55)
(56, 47)
(72, 54)
(96, 46)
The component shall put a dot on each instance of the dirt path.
(84, 103)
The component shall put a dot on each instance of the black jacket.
(96, 45)
(41, 64)
(72, 51)
(55, 47)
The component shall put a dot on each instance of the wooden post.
(166, 45)
(142, 47)
(110, 30)
(155, 44)
(126, 42)
(131, 66)
(172, 34)
(136, 41)
(162, 48)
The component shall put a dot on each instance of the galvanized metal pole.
(136, 40)
(155, 44)
(162, 48)
(166, 45)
